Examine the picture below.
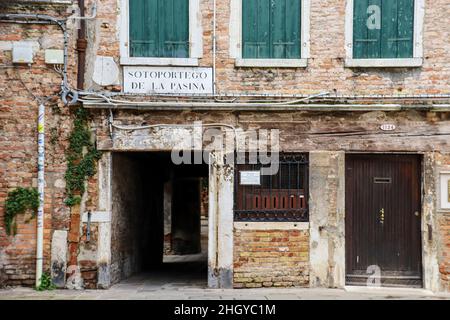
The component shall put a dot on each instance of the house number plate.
(388, 127)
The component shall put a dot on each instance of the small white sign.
(388, 127)
(250, 178)
(445, 190)
(166, 80)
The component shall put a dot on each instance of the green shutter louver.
(159, 28)
(383, 29)
(271, 29)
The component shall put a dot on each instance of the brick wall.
(443, 222)
(20, 87)
(325, 71)
(271, 258)
(444, 265)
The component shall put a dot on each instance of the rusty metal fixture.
(81, 47)
(276, 198)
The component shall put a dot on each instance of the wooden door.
(383, 219)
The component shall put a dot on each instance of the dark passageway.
(159, 221)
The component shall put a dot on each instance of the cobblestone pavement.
(185, 279)
(136, 289)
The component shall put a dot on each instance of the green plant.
(46, 283)
(18, 201)
(81, 157)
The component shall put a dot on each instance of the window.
(269, 33)
(271, 29)
(159, 28)
(160, 32)
(280, 197)
(383, 29)
(385, 32)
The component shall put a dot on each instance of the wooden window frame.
(415, 61)
(195, 40)
(236, 40)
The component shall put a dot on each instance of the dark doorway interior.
(383, 220)
(158, 219)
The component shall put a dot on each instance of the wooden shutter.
(395, 37)
(271, 29)
(285, 41)
(405, 31)
(159, 28)
(143, 26)
(256, 28)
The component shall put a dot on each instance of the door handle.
(382, 215)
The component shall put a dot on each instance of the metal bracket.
(88, 227)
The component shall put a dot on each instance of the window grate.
(279, 197)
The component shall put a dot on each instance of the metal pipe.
(112, 101)
(253, 107)
(41, 190)
(81, 47)
(271, 95)
(83, 16)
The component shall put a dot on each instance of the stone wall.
(127, 218)
(442, 222)
(300, 131)
(270, 257)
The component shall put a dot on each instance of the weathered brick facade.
(271, 258)
(261, 258)
(18, 141)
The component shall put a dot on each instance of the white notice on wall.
(445, 190)
(250, 178)
(167, 80)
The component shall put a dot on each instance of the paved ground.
(138, 291)
(185, 279)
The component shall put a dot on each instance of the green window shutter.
(293, 29)
(143, 23)
(285, 41)
(366, 42)
(393, 38)
(271, 29)
(159, 28)
(405, 31)
(256, 28)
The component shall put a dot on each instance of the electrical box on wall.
(22, 52)
(54, 56)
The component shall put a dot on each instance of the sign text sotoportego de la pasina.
(164, 80)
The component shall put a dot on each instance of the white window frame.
(415, 61)
(195, 40)
(236, 40)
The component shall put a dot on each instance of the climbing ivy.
(81, 157)
(17, 202)
(46, 283)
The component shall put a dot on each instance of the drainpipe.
(81, 47)
(41, 186)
